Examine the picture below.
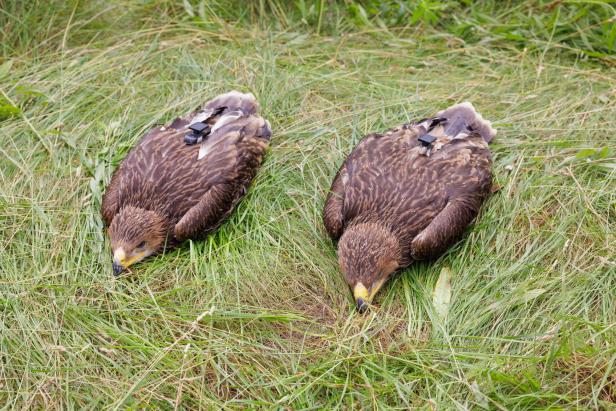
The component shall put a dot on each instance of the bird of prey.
(182, 181)
(407, 195)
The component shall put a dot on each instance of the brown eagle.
(182, 181)
(407, 195)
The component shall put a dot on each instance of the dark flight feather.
(406, 201)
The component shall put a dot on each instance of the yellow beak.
(120, 260)
(364, 296)
(360, 291)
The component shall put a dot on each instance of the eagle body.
(186, 190)
(396, 200)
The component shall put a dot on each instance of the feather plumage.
(191, 188)
(395, 201)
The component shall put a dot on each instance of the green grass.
(258, 315)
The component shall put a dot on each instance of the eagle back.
(164, 174)
(388, 180)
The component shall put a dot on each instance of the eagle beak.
(122, 262)
(362, 306)
(119, 262)
(117, 268)
(362, 298)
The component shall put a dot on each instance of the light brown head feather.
(368, 254)
(138, 233)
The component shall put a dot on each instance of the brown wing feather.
(332, 212)
(121, 178)
(110, 203)
(208, 214)
(446, 227)
(231, 173)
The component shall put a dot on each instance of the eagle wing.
(119, 180)
(469, 185)
(335, 205)
(110, 204)
(235, 153)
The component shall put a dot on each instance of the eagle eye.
(142, 244)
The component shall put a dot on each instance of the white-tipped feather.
(204, 150)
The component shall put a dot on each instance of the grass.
(258, 315)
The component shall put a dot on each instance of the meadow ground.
(258, 315)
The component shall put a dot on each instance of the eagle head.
(368, 254)
(135, 234)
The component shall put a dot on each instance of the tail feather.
(466, 113)
(224, 108)
(265, 131)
